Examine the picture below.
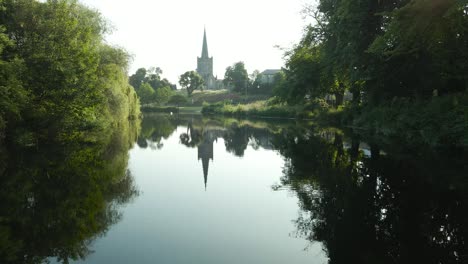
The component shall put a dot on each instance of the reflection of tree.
(154, 128)
(377, 209)
(236, 140)
(238, 137)
(56, 199)
(193, 137)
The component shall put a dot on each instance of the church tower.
(205, 66)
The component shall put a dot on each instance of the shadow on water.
(58, 197)
(371, 203)
(367, 200)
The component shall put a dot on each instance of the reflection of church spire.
(205, 153)
(205, 163)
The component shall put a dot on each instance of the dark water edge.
(357, 199)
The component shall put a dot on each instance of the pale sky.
(169, 34)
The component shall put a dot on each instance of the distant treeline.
(59, 80)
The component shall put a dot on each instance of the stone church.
(205, 67)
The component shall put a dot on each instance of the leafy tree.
(162, 94)
(64, 68)
(152, 78)
(379, 50)
(191, 81)
(146, 93)
(424, 46)
(138, 78)
(237, 77)
(13, 96)
(303, 75)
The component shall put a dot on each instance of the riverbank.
(198, 99)
(441, 121)
(317, 110)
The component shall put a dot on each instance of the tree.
(162, 94)
(191, 81)
(424, 47)
(146, 93)
(138, 78)
(59, 76)
(236, 75)
(161, 88)
(303, 74)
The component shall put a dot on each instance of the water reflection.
(203, 132)
(154, 129)
(366, 200)
(57, 197)
(393, 206)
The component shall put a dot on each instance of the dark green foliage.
(439, 122)
(150, 87)
(156, 127)
(177, 99)
(385, 52)
(137, 79)
(424, 47)
(65, 92)
(191, 81)
(57, 198)
(379, 50)
(302, 75)
(146, 93)
(58, 79)
(407, 206)
(236, 77)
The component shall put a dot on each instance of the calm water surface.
(192, 189)
(202, 203)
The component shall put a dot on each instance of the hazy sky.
(169, 34)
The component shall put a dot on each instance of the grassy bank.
(441, 121)
(200, 97)
(271, 108)
(255, 109)
(194, 103)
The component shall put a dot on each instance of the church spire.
(205, 45)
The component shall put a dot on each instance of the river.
(194, 189)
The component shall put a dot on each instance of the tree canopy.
(58, 78)
(150, 87)
(236, 76)
(379, 50)
(191, 81)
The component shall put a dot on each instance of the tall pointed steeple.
(205, 65)
(204, 54)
